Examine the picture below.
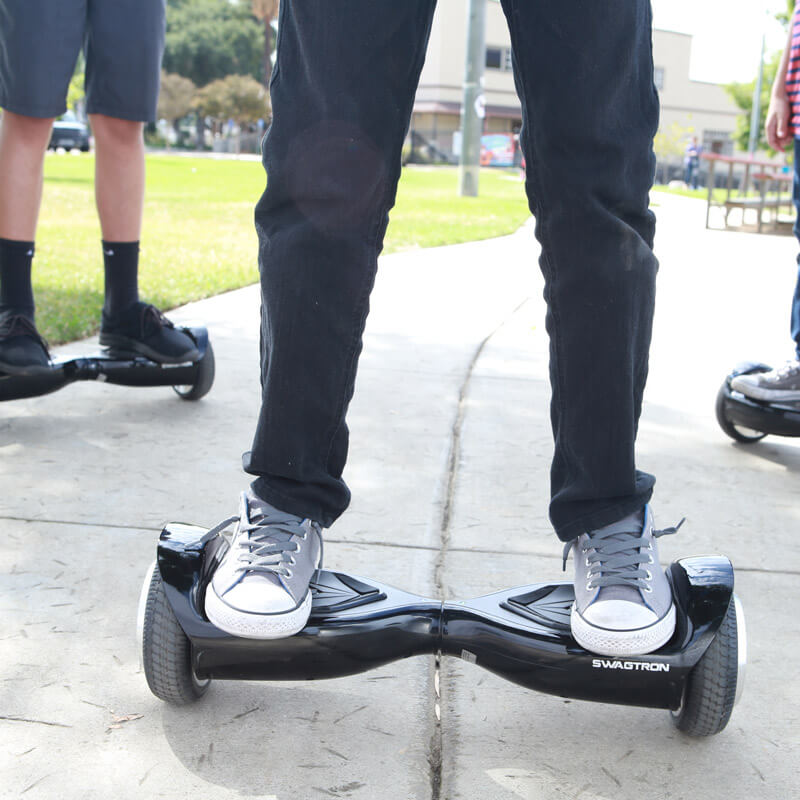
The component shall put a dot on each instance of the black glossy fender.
(771, 418)
(119, 369)
(521, 634)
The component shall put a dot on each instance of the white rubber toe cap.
(619, 615)
(639, 639)
(257, 625)
(258, 595)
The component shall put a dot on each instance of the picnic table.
(774, 188)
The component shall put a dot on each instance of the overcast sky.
(727, 34)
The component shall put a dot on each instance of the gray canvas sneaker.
(623, 601)
(778, 385)
(260, 590)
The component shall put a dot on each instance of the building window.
(719, 142)
(499, 58)
(658, 77)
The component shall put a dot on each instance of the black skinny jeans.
(342, 94)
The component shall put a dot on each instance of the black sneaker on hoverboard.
(143, 330)
(22, 350)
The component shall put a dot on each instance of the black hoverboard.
(521, 634)
(746, 420)
(190, 380)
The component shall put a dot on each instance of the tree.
(176, 98)
(267, 12)
(76, 94)
(209, 39)
(238, 97)
(742, 94)
(785, 17)
(211, 100)
(670, 143)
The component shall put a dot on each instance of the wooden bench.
(774, 189)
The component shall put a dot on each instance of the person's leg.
(589, 117)
(781, 384)
(332, 156)
(39, 43)
(119, 176)
(23, 141)
(124, 44)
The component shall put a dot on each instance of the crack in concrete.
(435, 753)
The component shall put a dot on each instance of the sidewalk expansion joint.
(435, 754)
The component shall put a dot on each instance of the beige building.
(687, 106)
(690, 107)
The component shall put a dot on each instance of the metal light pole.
(472, 105)
(755, 118)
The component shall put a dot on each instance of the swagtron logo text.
(638, 666)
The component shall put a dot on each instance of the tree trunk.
(200, 141)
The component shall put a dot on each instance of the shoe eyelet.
(292, 561)
(651, 561)
(586, 561)
(648, 589)
(649, 575)
(288, 573)
(589, 587)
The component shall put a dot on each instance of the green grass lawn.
(198, 237)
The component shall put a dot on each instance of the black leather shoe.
(22, 349)
(142, 329)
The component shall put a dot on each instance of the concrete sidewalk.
(90, 473)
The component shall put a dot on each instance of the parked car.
(69, 132)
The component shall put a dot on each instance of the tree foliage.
(209, 39)
(742, 94)
(670, 142)
(176, 98)
(237, 97)
(784, 17)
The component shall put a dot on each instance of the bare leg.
(23, 141)
(119, 177)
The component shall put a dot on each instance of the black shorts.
(123, 41)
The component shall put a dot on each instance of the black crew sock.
(121, 261)
(16, 289)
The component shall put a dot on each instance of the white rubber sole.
(766, 395)
(607, 642)
(256, 626)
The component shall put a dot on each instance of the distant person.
(333, 159)
(691, 162)
(782, 129)
(123, 41)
